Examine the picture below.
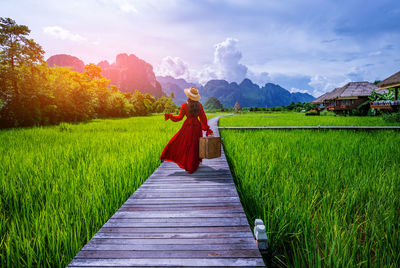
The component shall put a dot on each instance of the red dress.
(183, 148)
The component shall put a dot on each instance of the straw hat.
(192, 93)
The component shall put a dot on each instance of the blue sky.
(307, 46)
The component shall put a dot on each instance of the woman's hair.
(194, 107)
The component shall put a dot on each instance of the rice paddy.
(60, 184)
(328, 198)
(299, 119)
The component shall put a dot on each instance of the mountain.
(128, 72)
(247, 93)
(66, 60)
(170, 84)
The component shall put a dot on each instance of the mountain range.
(130, 72)
(247, 93)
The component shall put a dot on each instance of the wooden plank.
(196, 223)
(191, 182)
(91, 246)
(188, 185)
(183, 195)
(224, 262)
(222, 221)
(174, 200)
(171, 235)
(170, 241)
(201, 175)
(125, 254)
(210, 209)
(183, 205)
(196, 229)
(190, 190)
(186, 214)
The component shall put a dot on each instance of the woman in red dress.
(183, 148)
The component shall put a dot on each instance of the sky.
(304, 46)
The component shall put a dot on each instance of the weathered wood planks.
(316, 127)
(177, 219)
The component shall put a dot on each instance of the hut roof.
(320, 99)
(350, 90)
(328, 96)
(391, 81)
(357, 89)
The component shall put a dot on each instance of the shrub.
(391, 117)
(327, 113)
(312, 112)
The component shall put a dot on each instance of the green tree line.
(31, 93)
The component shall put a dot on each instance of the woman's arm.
(203, 122)
(176, 118)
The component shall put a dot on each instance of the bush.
(327, 113)
(391, 117)
(312, 112)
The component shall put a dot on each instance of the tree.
(213, 103)
(164, 104)
(237, 106)
(16, 48)
(18, 56)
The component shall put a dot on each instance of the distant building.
(392, 81)
(237, 106)
(345, 98)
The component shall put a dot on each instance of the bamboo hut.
(346, 98)
(392, 81)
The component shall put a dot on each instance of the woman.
(183, 148)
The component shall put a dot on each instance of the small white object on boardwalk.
(177, 219)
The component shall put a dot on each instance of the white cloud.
(323, 84)
(177, 68)
(225, 66)
(259, 78)
(375, 53)
(226, 61)
(173, 66)
(294, 90)
(61, 33)
(206, 74)
(123, 5)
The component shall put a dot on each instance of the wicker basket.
(210, 147)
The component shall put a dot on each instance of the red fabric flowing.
(183, 148)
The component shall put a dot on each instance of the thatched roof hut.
(353, 90)
(391, 81)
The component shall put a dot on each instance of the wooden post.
(396, 93)
(260, 235)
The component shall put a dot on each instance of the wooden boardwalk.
(317, 127)
(177, 219)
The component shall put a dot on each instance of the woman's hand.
(209, 132)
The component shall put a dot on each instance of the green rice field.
(328, 198)
(60, 184)
(299, 119)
